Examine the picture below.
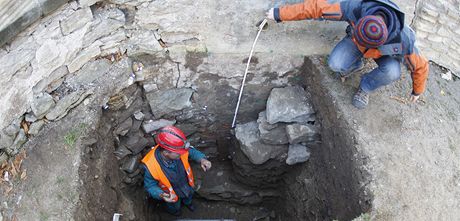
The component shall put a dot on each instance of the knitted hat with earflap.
(371, 31)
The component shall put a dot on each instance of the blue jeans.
(173, 208)
(346, 57)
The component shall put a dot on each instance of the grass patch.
(72, 136)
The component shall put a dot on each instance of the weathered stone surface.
(218, 184)
(167, 101)
(267, 174)
(262, 121)
(41, 104)
(36, 127)
(86, 3)
(250, 144)
(15, 16)
(136, 143)
(48, 6)
(288, 104)
(83, 57)
(121, 152)
(77, 20)
(89, 73)
(13, 129)
(124, 127)
(67, 103)
(298, 133)
(5, 140)
(271, 133)
(151, 125)
(21, 138)
(30, 117)
(131, 164)
(3, 159)
(44, 84)
(106, 22)
(297, 153)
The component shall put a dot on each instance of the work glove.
(205, 164)
(270, 14)
(167, 197)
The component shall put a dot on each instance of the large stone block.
(297, 154)
(77, 20)
(167, 101)
(83, 57)
(271, 133)
(298, 133)
(289, 104)
(251, 145)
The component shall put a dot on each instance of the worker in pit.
(376, 30)
(168, 175)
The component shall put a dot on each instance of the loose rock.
(131, 164)
(65, 104)
(36, 127)
(298, 133)
(150, 126)
(289, 104)
(41, 104)
(297, 154)
(250, 144)
(124, 127)
(167, 101)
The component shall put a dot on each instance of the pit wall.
(330, 186)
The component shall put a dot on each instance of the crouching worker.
(168, 175)
(376, 30)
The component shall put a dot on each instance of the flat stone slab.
(167, 101)
(289, 104)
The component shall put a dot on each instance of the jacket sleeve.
(151, 185)
(419, 67)
(309, 9)
(195, 154)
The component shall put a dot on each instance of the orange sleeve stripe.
(311, 9)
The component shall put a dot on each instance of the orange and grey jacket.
(157, 173)
(400, 44)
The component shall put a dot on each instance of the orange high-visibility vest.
(157, 173)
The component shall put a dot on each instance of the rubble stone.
(288, 104)
(167, 101)
(36, 127)
(298, 133)
(41, 104)
(297, 154)
(151, 125)
(77, 20)
(250, 143)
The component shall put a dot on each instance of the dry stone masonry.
(436, 24)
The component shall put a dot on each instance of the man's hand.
(205, 164)
(270, 14)
(414, 98)
(167, 197)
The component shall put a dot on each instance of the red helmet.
(173, 139)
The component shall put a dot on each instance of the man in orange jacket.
(168, 175)
(376, 30)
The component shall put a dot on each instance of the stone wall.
(436, 24)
